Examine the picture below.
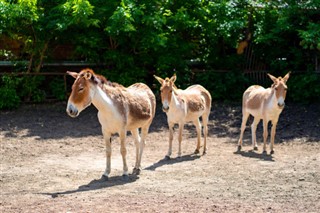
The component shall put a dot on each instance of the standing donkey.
(182, 106)
(119, 109)
(265, 104)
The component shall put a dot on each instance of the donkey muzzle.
(165, 108)
(281, 105)
(72, 111)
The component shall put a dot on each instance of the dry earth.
(53, 163)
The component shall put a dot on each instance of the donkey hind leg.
(137, 141)
(265, 135)
(245, 117)
(198, 128)
(254, 125)
(123, 151)
(205, 120)
(181, 126)
(144, 133)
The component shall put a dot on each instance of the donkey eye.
(80, 89)
(276, 88)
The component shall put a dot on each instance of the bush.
(304, 88)
(29, 89)
(223, 86)
(9, 98)
(58, 89)
(15, 89)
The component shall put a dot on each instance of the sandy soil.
(53, 163)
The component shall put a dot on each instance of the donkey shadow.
(253, 154)
(171, 161)
(97, 184)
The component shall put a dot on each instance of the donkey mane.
(114, 84)
(101, 80)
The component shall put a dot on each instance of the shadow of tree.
(50, 121)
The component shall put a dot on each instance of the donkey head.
(81, 94)
(280, 88)
(166, 89)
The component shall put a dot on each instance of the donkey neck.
(103, 100)
(176, 101)
(271, 100)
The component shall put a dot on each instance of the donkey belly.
(257, 113)
(138, 124)
(194, 115)
(111, 124)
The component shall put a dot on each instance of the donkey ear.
(274, 79)
(88, 75)
(158, 79)
(286, 77)
(73, 74)
(173, 78)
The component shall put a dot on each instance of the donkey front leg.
(273, 133)
(107, 139)
(171, 125)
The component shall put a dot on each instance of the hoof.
(204, 152)
(125, 177)
(167, 157)
(239, 148)
(104, 178)
(264, 152)
(196, 151)
(255, 148)
(272, 152)
(136, 171)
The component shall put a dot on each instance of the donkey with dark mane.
(120, 109)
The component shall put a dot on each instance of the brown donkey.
(265, 104)
(182, 106)
(120, 109)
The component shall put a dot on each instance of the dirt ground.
(53, 163)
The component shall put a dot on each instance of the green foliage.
(124, 78)
(304, 88)
(58, 89)
(29, 88)
(224, 86)
(135, 39)
(310, 36)
(288, 30)
(9, 98)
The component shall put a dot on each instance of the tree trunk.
(42, 54)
